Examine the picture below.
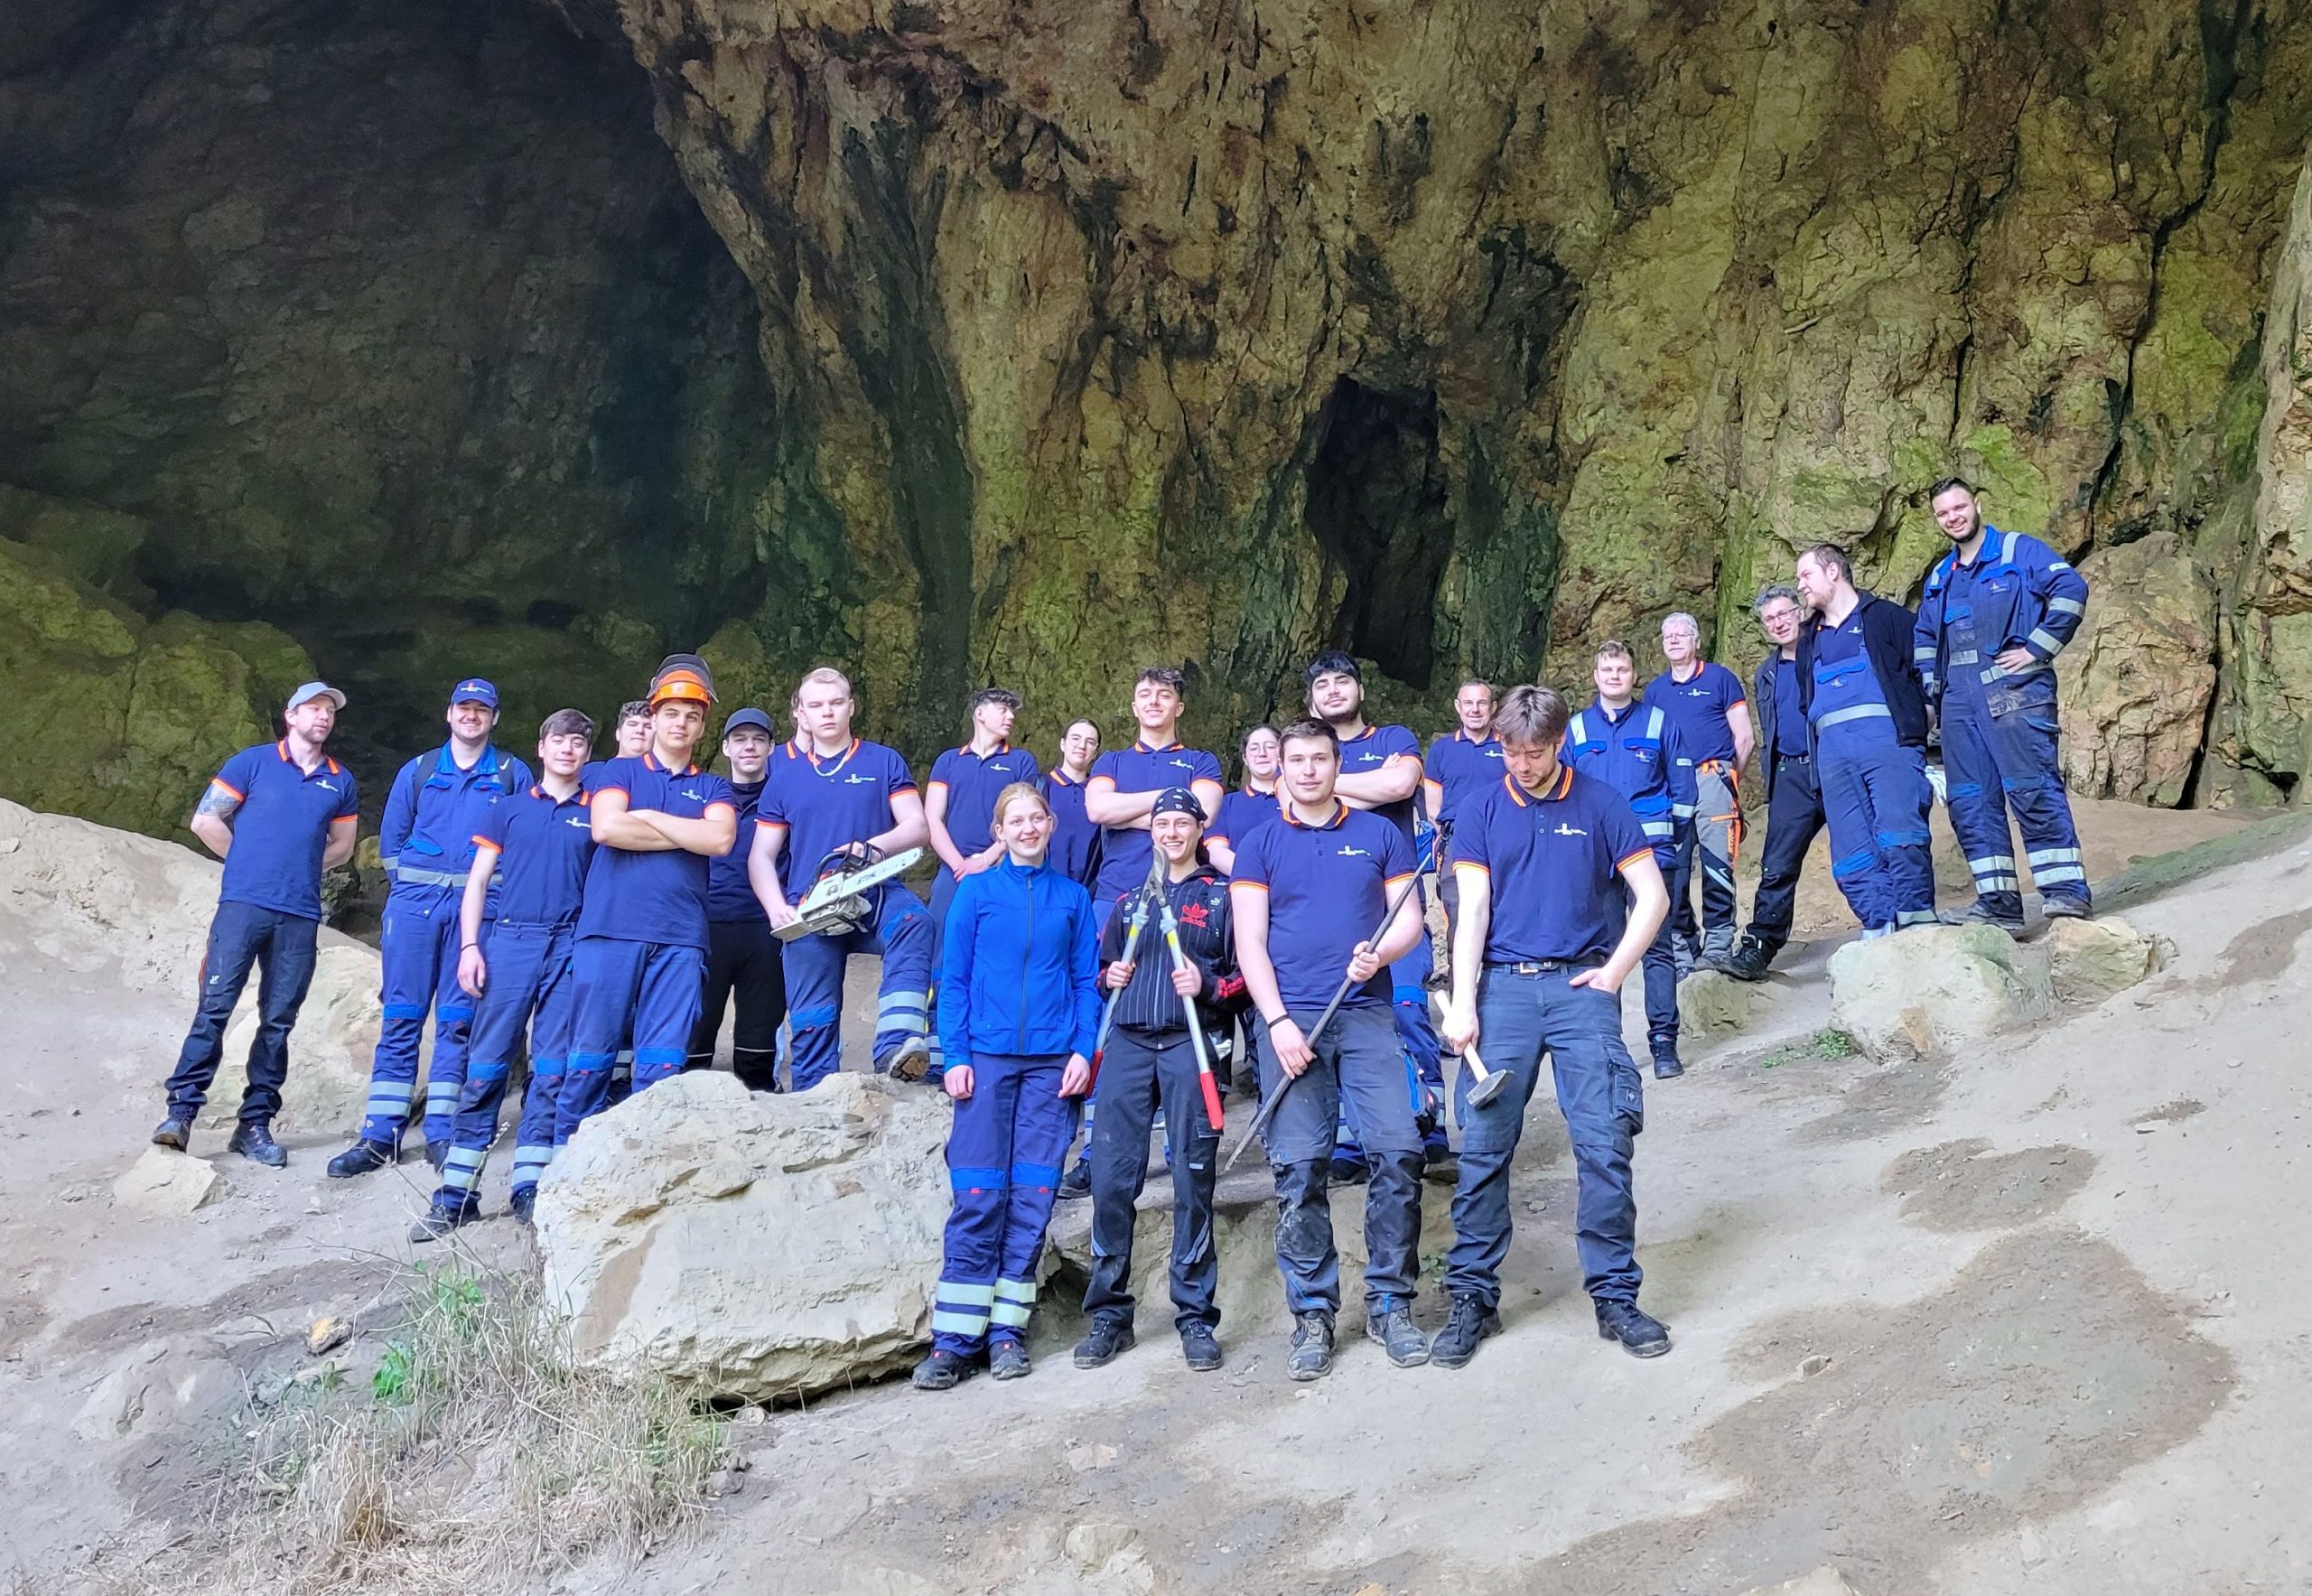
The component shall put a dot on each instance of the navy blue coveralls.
(1641, 754)
(1873, 776)
(2000, 729)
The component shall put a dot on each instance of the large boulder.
(1928, 990)
(2135, 683)
(762, 1246)
(330, 1051)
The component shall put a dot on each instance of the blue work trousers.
(529, 989)
(650, 991)
(418, 948)
(1875, 800)
(815, 964)
(1141, 1072)
(1521, 1017)
(1358, 1061)
(242, 936)
(1995, 763)
(1003, 1154)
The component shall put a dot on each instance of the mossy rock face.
(120, 720)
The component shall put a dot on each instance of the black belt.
(1545, 966)
(1798, 757)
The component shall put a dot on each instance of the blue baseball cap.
(750, 716)
(474, 690)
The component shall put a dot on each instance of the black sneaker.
(362, 1158)
(1008, 1359)
(2065, 908)
(522, 1203)
(442, 1218)
(942, 1370)
(253, 1140)
(1981, 914)
(1390, 1323)
(1667, 1063)
(1076, 1184)
(1470, 1322)
(172, 1131)
(1641, 1334)
(1200, 1347)
(1312, 1346)
(1750, 962)
(1108, 1340)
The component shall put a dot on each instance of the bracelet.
(470, 945)
(1272, 1024)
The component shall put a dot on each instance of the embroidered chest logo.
(694, 796)
(579, 821)
(1355, 852)
(325, 786)
(856, 778)
(1565, 830)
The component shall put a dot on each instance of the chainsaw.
(837, 903)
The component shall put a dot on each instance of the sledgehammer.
(1489, 1082)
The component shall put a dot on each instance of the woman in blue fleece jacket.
(1018, 1004)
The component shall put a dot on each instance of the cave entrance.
(1378, 508)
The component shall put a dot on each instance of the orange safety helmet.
(684, 677)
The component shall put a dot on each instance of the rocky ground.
(2026, 1318)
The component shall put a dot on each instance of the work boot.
(1667, 1063)
(1641, 1334)
(1076, 1184)
(521, 1205)
(1750, 962)
(442, 1218)
(1312, 1346)
(362, 1158)
(1470, 1322)
(1349, 1172)
(1199, 1346)
(910, 1058)
(1391, 1324)
(172, 1131)
(253, 1140)
(1109, 1338)
(2060, 907)
(1981, 914)
(942, 1370)
(1008, 1359)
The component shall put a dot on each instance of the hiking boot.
(1199, 1346)
(2065, 908)
(1641, 1334)
(1312, 1346)
(442, 1218)
(1391, 1324)
(521, 1205)
(1668, 1065)
(1108, 1340)
(1717, 945)
(1748, 962)
(172, 1131)
(1470, 1322)
(253, 1140)
(942, 1370)
(362, 1158)
(1076, 1184)
(910, 1059)
(1981, 914)
(1008, 1359)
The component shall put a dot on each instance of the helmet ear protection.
(682, 678)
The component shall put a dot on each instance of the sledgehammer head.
(1486, 1090)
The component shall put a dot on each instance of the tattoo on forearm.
(216, 801)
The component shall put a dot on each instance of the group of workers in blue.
(1099, 935)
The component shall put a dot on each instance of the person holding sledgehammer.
(1168, 993)
(1323, 904)
(1537, 972)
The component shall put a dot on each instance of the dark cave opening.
(1379, 509)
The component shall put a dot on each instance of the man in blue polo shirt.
(1126, 784)
(278, 815)
(1253, 803)
(537, 844)
(425, 842)
(1075, 840)
(641, 960)
(743, 968)
(1380, 770)
(1705, 701)
(1310, 889)
(1539, 959)
(1793, 797)
(1460, 764)
(830, 792)
(1635, 750)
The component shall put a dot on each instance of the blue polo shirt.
(281, 827)
(730, 895)
(1242, 813)
(971, 783)
(544, 844)
(1375, 747)
(1554, 860)
(830, 803)
(656, 896)
(1789, 718)
(1075, 848)
(1326, 888)
(425, 840)
(1125, 850)
(1460, 767)
(1700, 705)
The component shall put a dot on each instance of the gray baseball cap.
(312, 690)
